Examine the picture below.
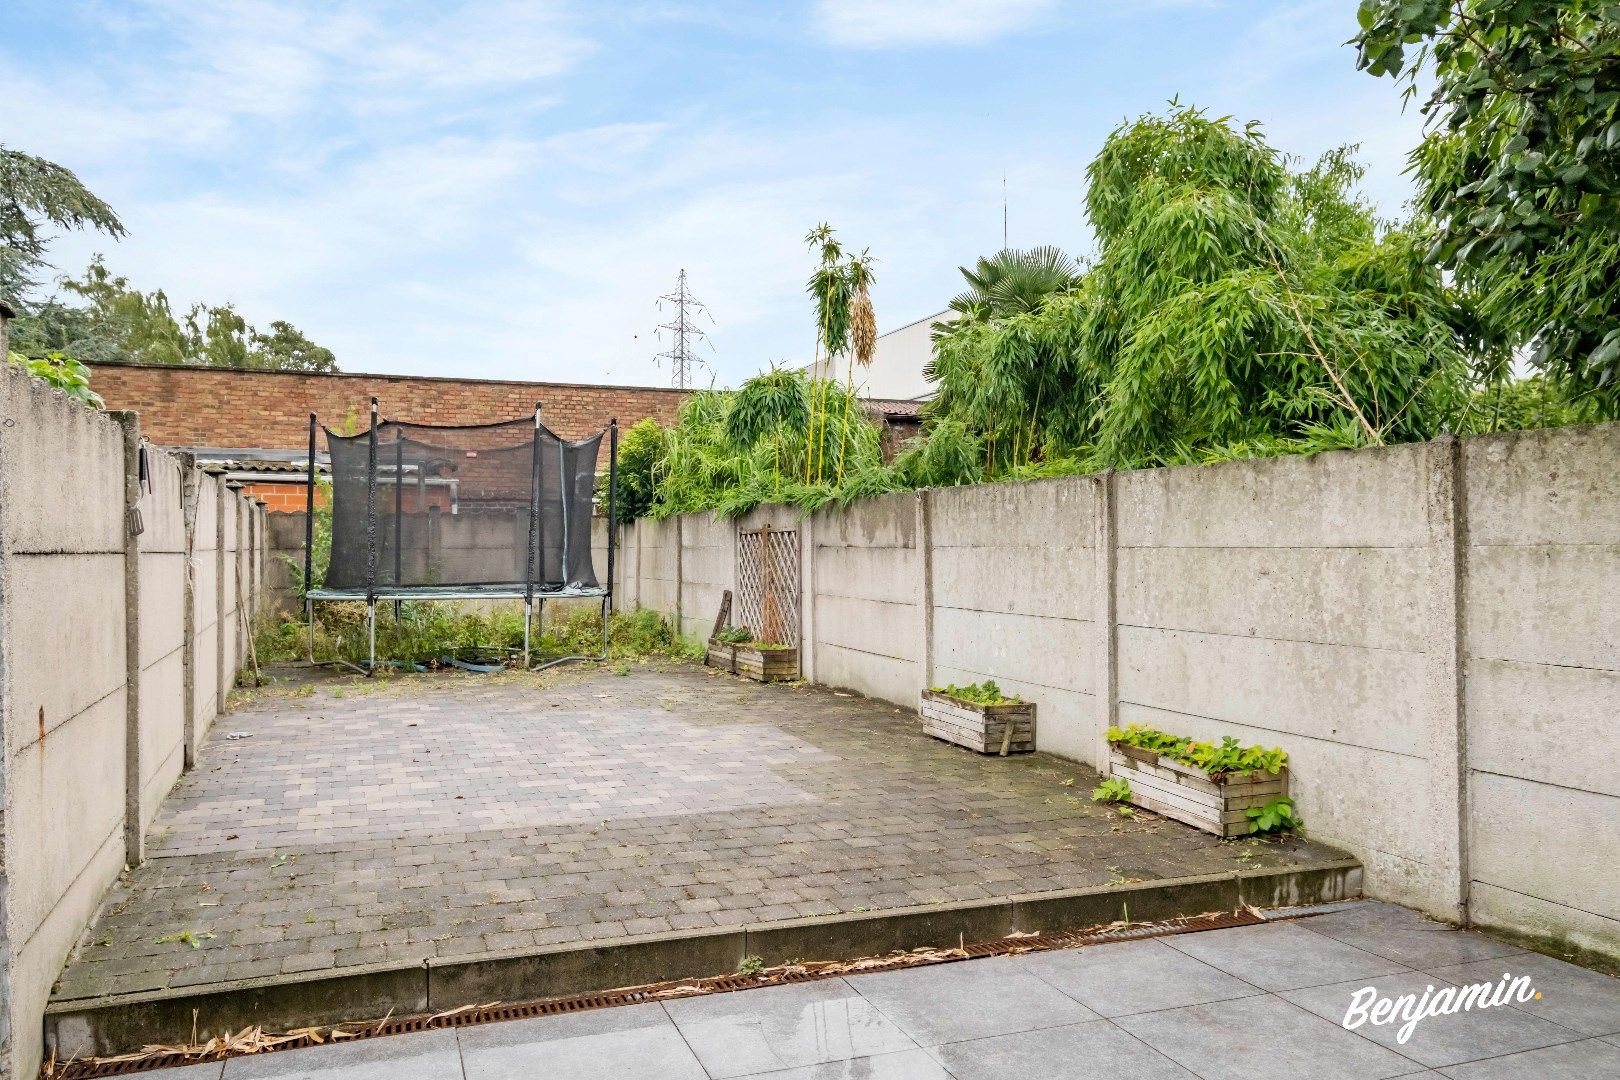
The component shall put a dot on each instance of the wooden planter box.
(984, 728)
(752, 662)
(1187, 794)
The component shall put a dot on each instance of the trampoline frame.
(529, 591)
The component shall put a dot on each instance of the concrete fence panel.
(1542, 667)
(93, 669)
(1429, 630)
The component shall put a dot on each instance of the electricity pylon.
(684, 332)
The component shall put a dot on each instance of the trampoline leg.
(371, 627)
(309, 616)
(528, 608)
(396, 611)
(604, 627)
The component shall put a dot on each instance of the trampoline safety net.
(494, 505)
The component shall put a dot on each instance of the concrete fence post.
(1448, 720)
(1106, 612)
(134, 830)
(680, 575)
(808, 652)
(925, 587)
(221, 685)
(190, 491)
(5, 755)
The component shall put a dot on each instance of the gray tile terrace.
(1254, 1003)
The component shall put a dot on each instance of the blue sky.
(501, 188)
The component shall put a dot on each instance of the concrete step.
(118, 1023)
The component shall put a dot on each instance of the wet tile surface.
(1434, 1041)
(431, 1055)
(1135, 976)
(637, 1042)
(1282, 956)
(868, 1027)
(398, 821)
(1586, 1001)
(782, 1027)
(1092, 1051)
(956, 1002)
(1591, 1059)
(1262, 1038)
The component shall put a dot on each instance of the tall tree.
(35, 193)
(114, 322)
(1237, 305)
(1520, 168)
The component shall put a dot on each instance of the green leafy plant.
(985, 693)
(62, 372)
(751, 965)
(1518, 168)
(1114, 789)
(735, 635)
(1276, 816)
(1215, 759)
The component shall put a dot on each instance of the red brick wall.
(283, 498)
(188, 406)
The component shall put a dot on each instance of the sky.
(503, 188)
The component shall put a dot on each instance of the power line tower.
(684, 332)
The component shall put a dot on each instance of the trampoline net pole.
(371, 533)
(562, 497)
(613, 512)
(309, 537)
(535, 556)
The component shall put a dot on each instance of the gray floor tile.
(1372, 915)
(637, 1042)
(1134, 976)
(1407, 938)
(905, 1065)
(206, 1070)
(430, 1055)
(1436, 1040)
(1282, 956)
(783, 1027)
(1577, 998)
(1096, 1050)
(1262, 1038)
(1591, 1059)
(970, 1000)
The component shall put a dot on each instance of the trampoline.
(461, 512)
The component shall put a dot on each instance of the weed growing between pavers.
(427, 631)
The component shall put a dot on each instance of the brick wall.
(283, 497)
(188, 406)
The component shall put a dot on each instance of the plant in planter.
(735, 649)
(1224, 788)
(979, 717)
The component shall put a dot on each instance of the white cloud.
(876, 24)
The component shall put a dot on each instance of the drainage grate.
(256, 1042)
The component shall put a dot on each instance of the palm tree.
(1012, 282)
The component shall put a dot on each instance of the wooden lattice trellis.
(768, 584)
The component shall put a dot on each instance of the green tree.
(1520, 168)
(286, 348)
(1236, 306)
(641, 459)
(111, 321)
(34, 194)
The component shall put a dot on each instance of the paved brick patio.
(454, 815)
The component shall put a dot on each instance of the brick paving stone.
(455, 815)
